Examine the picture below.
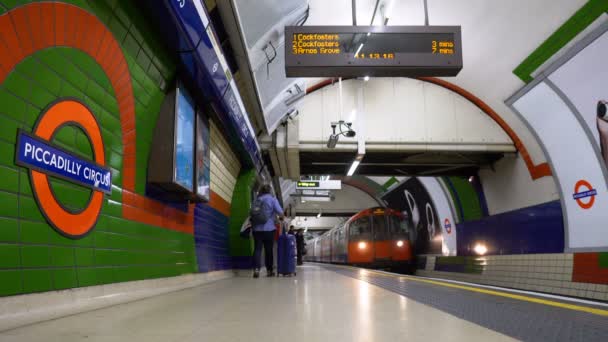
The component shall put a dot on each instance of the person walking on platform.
(263, 213)
(300, 245)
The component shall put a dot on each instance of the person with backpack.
(263, 212)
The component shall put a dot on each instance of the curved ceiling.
(497, 36)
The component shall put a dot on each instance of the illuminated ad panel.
(357, 51)
(184, 140)
(203, 155)
(413, 199)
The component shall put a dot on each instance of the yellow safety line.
(574, 307)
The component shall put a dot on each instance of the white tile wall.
(225, 166)
(551, 273)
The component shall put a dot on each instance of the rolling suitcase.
(286, 263)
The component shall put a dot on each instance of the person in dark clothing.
(263, 234)
(300, 245)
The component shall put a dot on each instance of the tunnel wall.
(103, 55)
(583, 275)
(559, 108)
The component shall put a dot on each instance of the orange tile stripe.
(536, 170)
(218, 203)
(586, 269)
(36, 26)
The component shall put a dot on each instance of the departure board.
(357, 51)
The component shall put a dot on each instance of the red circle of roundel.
(577, 188)
(448, 226)
(73, 225)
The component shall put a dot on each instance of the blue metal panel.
(210, 63)
(211, 239)
(191, 24)
(536, 229)
(237, 117)
(189, 32)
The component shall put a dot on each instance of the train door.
(361, 241)
(333, 243)
(383, 247)
(341, 244)
(400, 232)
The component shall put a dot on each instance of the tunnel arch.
(536, 171)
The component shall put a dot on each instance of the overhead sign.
(307, 185)
(37, 153)
(319, 185)
(357, 51)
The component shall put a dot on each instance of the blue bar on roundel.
(38, 154)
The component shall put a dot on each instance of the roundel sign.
(447, 225)
(43, 158)
(584, 194)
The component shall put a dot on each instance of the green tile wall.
(35, 258)
(241, 203)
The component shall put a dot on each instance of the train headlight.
(400, 243)
(480, 249)
(362, 245)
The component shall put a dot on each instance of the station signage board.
(319, 185)
(36, 154)
(380, 51)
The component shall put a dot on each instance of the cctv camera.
(602, 109)
(350, 134)
(333, 140)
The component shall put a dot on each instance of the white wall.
(225, 165)
(509, 186)
(403, 114)
(349, 199)
(313, 222)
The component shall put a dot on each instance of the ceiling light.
(366, 78)
(353, 168)
(319, 214)
(471, 179)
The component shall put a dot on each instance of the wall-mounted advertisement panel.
(412, 198)
(447, 222)
(183, 164)
(584, 81)
(575, 165)
(561, 108)
(203, 155)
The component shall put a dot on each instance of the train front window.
(360, 227)
(399, 226)
(380, 227)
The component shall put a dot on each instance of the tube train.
(374, 238)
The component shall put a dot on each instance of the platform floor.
(323, 303)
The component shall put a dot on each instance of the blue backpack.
(258, 213)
